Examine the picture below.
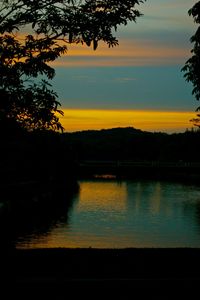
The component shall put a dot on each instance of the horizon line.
(148, 120)
(109, 109)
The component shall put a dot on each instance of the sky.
(138, 83)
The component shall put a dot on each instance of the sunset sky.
(138, 83)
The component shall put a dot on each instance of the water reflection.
(107, 213)
(160, 218)
(102, 196)
(32, 212)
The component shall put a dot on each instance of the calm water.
(108, 213)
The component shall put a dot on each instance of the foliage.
(192, 66)
(33, 104)
(76, 21)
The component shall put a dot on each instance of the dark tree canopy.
(32, 33)
(32, 104)
(192, 66)
(76, 21)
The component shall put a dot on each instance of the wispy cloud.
(129, 53)
(125, 79)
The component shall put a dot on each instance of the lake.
(107, 213)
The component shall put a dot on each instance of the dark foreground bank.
(160, 273)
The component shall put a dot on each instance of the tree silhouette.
(192, 66)
(31, 103)
(75, 21)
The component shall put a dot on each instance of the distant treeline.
(49, 156)
(134, 144)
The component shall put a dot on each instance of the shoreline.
(104, 264)
(149, 170)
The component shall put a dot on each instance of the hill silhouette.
(134, 144)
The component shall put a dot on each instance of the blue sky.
(142, 73)
(153, 88)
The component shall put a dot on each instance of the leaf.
(95, 44)
(70, 37)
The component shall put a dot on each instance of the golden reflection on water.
(155, 199)
(111, 214)
(105, 195)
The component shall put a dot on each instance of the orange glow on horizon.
(128, 53)
(137, 52)
(136, 48)
(93, 119)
